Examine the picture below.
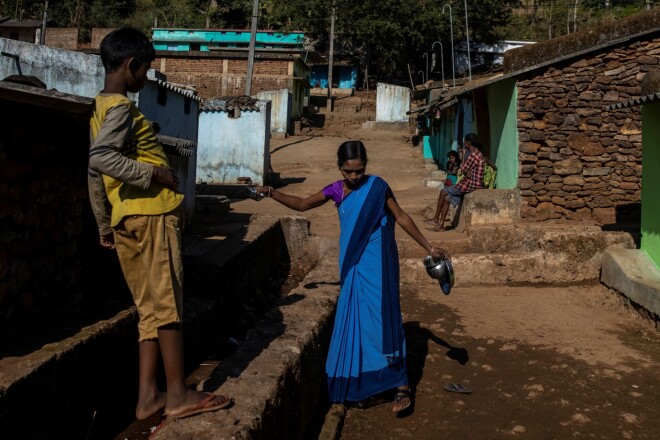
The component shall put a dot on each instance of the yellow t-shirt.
(124, 149)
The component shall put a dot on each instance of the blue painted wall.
(181, 39)
(347, 76)
(174, 121)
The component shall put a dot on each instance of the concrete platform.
(633, 274)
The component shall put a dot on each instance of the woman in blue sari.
(367, 350)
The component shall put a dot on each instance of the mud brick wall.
(51, 265)
(577, 160)
(215, 76)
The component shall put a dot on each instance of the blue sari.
(367, 351)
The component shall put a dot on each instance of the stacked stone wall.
(577, 160)
(214, 76)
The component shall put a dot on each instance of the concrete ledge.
(525, 254)
(631, 272)
(488, 207)
(277, 375)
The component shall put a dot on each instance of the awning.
(634, 102)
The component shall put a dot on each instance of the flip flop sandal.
(212, 402)
(403, 396)
(457, 388)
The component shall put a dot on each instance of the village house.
(544, 123)
(215, 62)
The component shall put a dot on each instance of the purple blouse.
(335, 191)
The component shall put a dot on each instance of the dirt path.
(543, 363)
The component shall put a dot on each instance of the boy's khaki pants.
(149, 251)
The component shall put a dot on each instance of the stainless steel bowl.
(442, 270)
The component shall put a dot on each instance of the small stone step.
(434, 183)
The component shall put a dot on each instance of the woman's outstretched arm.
(408, 225)
(293, 202)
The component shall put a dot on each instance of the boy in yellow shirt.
(138, 210)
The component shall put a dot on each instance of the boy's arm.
(105, 155)
(100, 207)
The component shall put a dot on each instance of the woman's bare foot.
(151, 406)
(437, 228)
(195, 402)
(430, 221)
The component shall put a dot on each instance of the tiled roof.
(229, 103)
(177, 146)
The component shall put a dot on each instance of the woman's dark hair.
(350, 150)
(125, 43)
(474, 140)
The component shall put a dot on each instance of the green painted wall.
(438, 143)
(651, 181)
(502, 107)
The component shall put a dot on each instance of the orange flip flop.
(212, 402)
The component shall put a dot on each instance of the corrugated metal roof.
(230, 103)
(634, 102)
(177, 146)
(178, 88)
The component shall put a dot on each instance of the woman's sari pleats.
(367, 350)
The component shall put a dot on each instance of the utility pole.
(42, 37)
(253, 41)
(328, 102)
(467, 36)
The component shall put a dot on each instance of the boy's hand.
(166, 177)
(107, 240)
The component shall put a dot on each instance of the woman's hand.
(264, 190)
(437, 252)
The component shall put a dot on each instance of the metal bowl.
(442, 270)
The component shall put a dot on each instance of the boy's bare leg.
(179, 396)
(150, 399)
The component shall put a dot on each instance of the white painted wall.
(281, 117)
(392, 103)
(66, 71)
(229, 148)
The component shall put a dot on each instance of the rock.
(598, 171)
(568, 166)
(578, 141)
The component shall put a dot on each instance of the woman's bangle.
(432, 250)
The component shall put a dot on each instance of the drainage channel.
(240, 292)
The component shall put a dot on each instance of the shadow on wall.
(628, 218)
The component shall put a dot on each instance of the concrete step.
(633, 273)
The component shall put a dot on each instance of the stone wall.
(215, 76)
(577, 160)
